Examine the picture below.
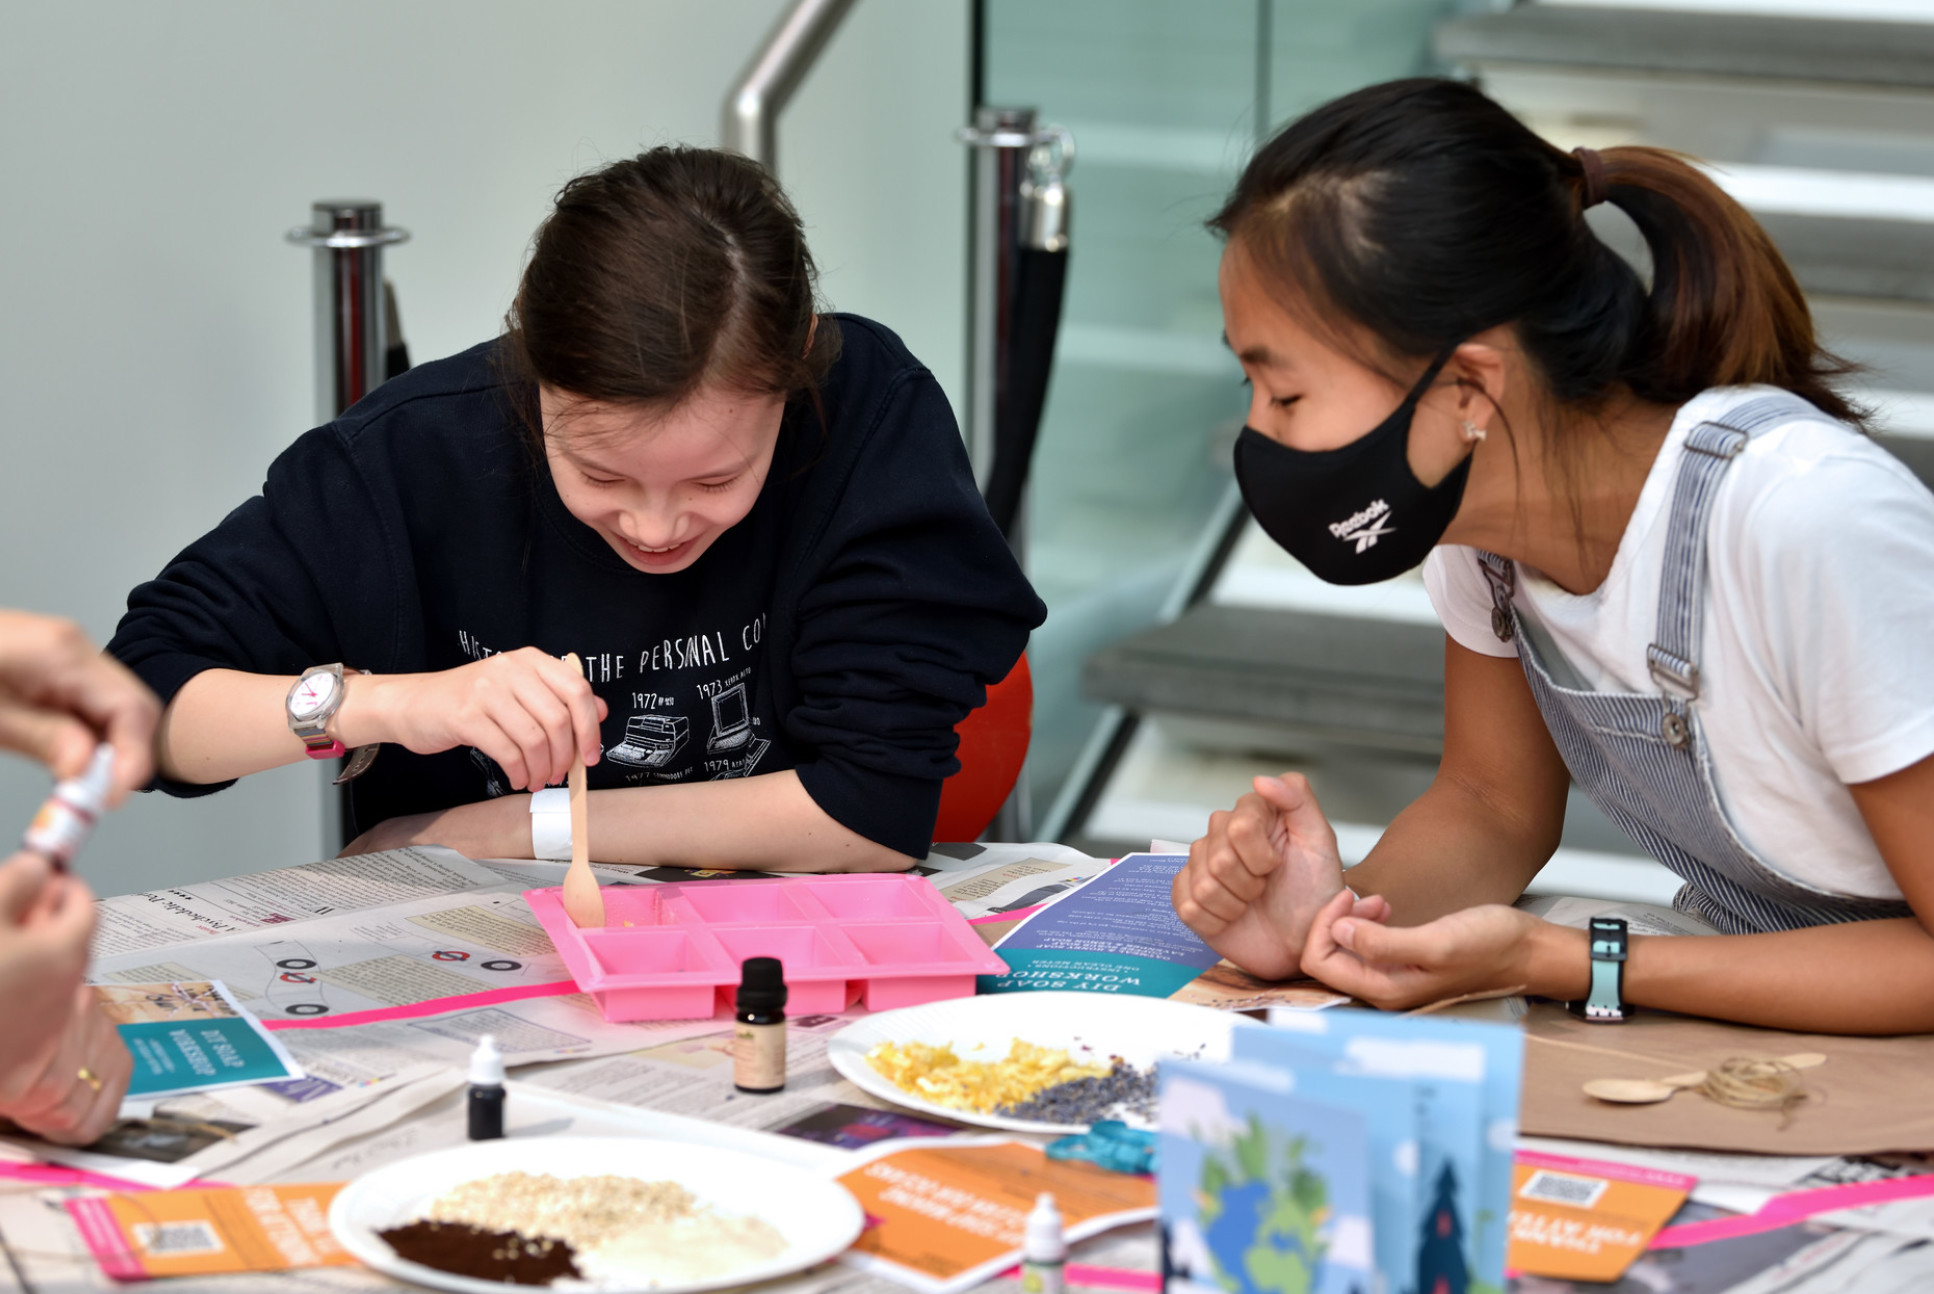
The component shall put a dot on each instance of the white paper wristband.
(551, 824)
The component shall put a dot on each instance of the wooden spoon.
(583, 903)
(1646, 1091)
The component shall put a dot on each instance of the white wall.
(155, 348)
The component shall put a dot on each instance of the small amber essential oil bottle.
(759, 1040)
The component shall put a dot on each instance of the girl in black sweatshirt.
(755, 524)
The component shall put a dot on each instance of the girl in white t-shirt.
(1671, 568)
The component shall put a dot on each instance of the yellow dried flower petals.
(932, 1071)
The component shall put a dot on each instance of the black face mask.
(1353, 515)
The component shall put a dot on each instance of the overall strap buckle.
(1672, 672)
(1717, 440)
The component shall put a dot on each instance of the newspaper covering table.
(397, 950)
(379, 972)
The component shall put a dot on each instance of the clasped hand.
(1264, 888)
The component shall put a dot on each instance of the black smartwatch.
(1605, 1004)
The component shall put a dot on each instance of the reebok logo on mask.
(1366, 527)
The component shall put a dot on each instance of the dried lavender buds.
(1123, 1091)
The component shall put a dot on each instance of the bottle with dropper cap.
(67, 819)
(759, 1040)
(486, 1090)
(1044, 1249)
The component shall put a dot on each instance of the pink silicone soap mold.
(672, 952)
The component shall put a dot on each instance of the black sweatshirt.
(842, 628)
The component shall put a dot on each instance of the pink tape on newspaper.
(434, 1006)
(1798, 1206)
(52, 1175)
(102, 1235)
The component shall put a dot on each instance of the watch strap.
(359, 761)
(1605, 1002)
(551, 824)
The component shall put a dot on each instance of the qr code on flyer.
(176, 1239)
(1548, 1187)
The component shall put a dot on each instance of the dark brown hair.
(665, 272)
(1424, 213)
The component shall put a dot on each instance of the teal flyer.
(1116, 934)
(190, 1036)
(204, 1053)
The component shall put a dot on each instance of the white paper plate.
(1141, 1030)
(816, 1215)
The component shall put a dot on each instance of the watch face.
(312, 694)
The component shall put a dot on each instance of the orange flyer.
(1580, 1219)
(943, 1217)
(206, 1232)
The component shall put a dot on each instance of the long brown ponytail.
(1724, 310)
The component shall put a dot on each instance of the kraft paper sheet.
(1873, 1094)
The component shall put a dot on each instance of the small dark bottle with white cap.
(759, 1041)
(486, 1104)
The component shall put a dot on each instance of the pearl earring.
(1472, 432)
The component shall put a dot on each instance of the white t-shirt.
(1816, 658)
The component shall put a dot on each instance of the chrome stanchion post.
(1001, 139)
(348, 238)
(1020, 214)
(351, 351)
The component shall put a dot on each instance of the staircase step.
(1375, 683)
(1853, 51)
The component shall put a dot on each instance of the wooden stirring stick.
(582, 901)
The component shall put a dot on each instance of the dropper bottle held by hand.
(67, 819)
(582, 901)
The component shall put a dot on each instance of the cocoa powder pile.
(464, 1250)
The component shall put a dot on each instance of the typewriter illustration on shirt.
(731, 721)
(651, 740)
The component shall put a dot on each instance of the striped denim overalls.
(1642, 758)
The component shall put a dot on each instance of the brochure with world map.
(1393, 1109)
(1260, 1192)
(1465, 1077)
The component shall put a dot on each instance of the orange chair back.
(993, 747)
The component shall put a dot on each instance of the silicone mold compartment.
(635, 905)
(873, 898)
(927, 955)
(751, 903)
(673, 952)
(904, 943)
(819, 965)
(656, 973)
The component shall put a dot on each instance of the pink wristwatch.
(312, 703)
